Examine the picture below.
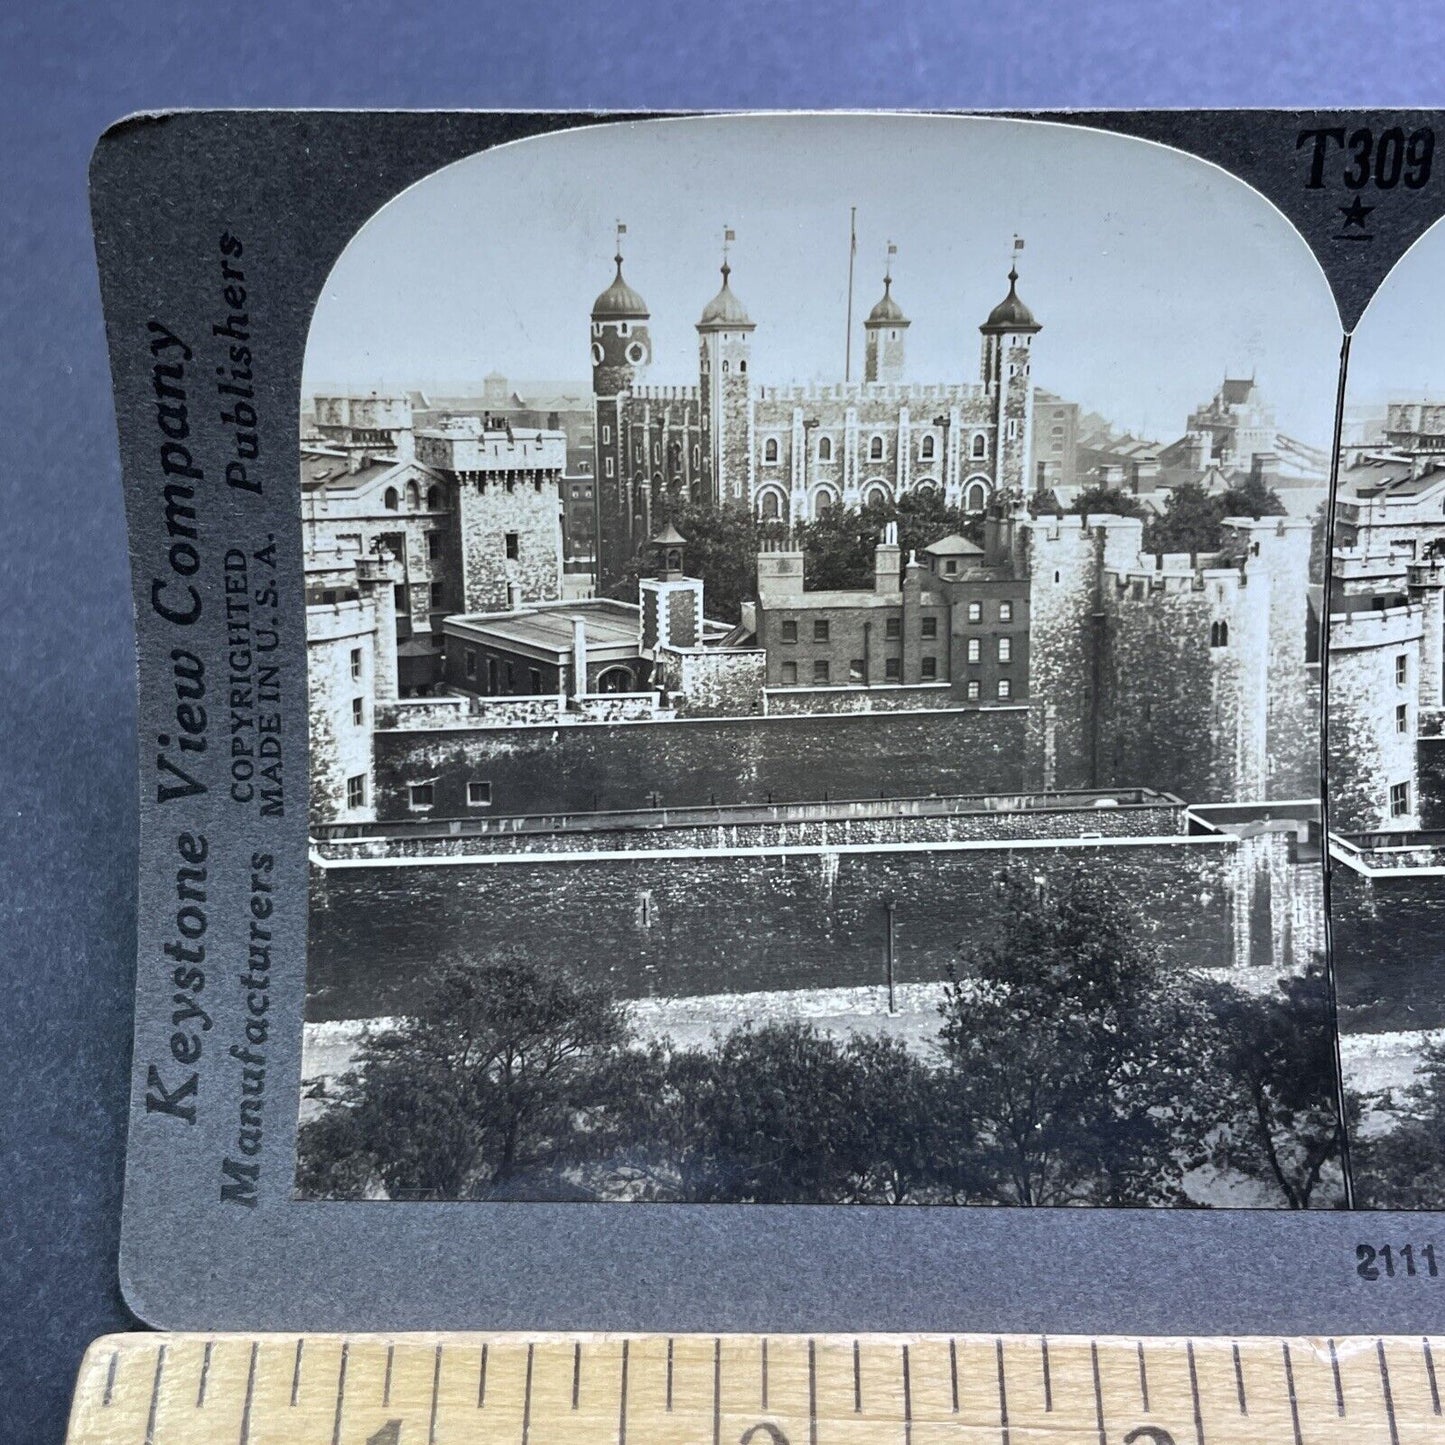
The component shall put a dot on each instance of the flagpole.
(852, 252)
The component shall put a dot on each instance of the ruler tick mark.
(622, 1404)
(1389, 1394)
(1293, 1397)
(205, 1372)
(1143, 1378)
(115, 1362)
(155, 1397)
(386, 1381)
(1048, 1381)
(857, 1379)
(717, 1392)
(250, 1394)
(1193, 1391)
(812, 1392)
(296, 1373)
(436, 1382)
(669, 1375)
(527, 1400)
(764, 1352)
(1239, 1379)
(907, 1400)
(1339, 1383)
(1098, 1393)
(576, 1372)
(1430, 1375)
(482, 1381)
(340, 1393)
(1002, 1393)
(952, 1370)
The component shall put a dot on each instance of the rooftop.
(547, 626)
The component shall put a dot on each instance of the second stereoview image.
(814, 663)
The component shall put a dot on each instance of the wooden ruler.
(552, 1389)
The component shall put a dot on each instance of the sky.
(1398, 350)
(1152, 273)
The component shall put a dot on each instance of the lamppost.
(890, 904)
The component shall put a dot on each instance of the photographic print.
(813, 649)
(1386, 774)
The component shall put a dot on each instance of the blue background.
(67, 746)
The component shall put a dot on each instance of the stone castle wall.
(486, 512)
(587, 768)
(341, 748)
(710, 923)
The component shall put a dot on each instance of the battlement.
(465, 444)
(348, 617)
(665, 393)
(1375, 627)
(1142, 583)
(903, 392)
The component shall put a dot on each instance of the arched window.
(975, 495)
(615, 679)
(825, 449)
(771, 508)
(743, 366)
(392, 500)
(876, 494)
(770, 450)
(875, 449)
(980, 445)
(413, 496)
(925, 450)
(434, 499)
(823, 498)
(1219, 634)
(725, 368)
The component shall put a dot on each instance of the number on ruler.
(1148, 1435)
(389, 1434)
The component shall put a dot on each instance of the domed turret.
(1011, 316)
(887, 312)
(619, 302)
(725, 311)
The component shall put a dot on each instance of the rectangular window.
(855, 670)
(893, 627)
(1399, 799)
(1402, 669)
(511, 679)
(893, 668)
(929, 627)
(358, 712)
(470, 661)
(479, 795)
(433, 545)
(356, 791)
(420, 796)
(399, 597)
(1005, 612)
(514, 546)
(820, 631)
(790, 674)
(606, 436)
(820, 670)
(975, 650)
(930, 668)
(437, 594)
(535, 678)
(1005, 649)
(607, 466)
(950, 564)
(1402, 718)
(975, 611)
(356, 664)
(974, 688)
(790, 630)
(491, 674)
(1005, 688)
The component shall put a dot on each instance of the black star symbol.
(1355, 213)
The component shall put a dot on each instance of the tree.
(1279, 1051)
(838, 544)
(492, 1090)
(1106, 499)
(1191, 522)
(1084, 1069)
(722, 549)
(1403, 1166)
(1252, 498)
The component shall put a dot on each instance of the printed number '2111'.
(1389, 1261)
